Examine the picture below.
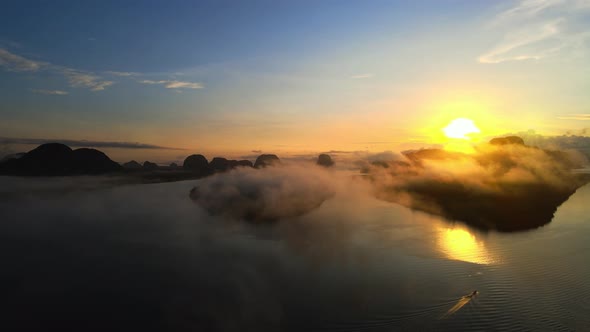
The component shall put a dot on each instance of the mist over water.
(146, 257)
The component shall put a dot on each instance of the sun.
(460, 128)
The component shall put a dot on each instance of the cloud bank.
(265, 194)
(506, 187)
(83, 143)
(575, 142)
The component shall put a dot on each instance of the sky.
(237, 77)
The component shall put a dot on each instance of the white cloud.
(76, 78)
(362, 76)
(527, 9)
(514, 45)
(15, 62)
(187, 85)
(537, 29)
(79, 79)
(121, 73)
(574, 117)
(50, 92)
(169, 84)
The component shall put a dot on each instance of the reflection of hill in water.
(516, 207)
(505, 187)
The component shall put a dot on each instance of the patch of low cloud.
(267, 194)
(50, 92)
(537, 29)
(173, 84)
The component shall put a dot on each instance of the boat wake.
(460, 304)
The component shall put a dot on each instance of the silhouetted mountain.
(149, 166)
(197, 164)
(58, 159)
(132, 165)
(325, 160)
(417, 156)
(219, 164)
(173, 166)
(266, 160)
(245, 163)
(507, 140)
(92, 161)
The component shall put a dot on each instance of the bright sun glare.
(460, 128)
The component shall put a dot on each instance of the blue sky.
(290, 75)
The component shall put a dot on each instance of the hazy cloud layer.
(148, 258)
(536, 29)
(83, 143)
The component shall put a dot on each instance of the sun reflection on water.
(459, 244)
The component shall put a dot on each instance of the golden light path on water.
(460, 244)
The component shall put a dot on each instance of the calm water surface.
(144, 257)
